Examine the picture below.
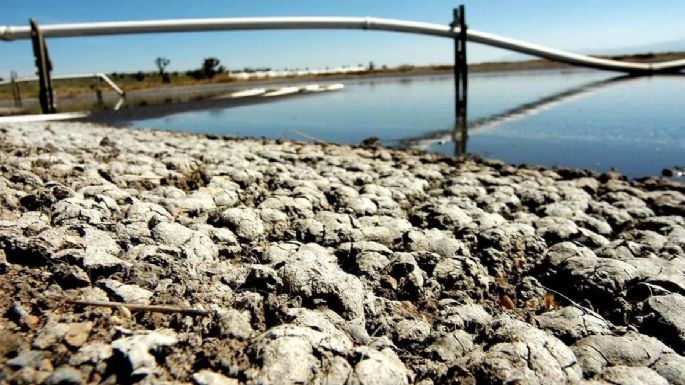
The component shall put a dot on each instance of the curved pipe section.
(363, 23)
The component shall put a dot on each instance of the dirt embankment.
(327, 264)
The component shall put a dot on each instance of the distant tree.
(139, 76)
(162, 63)
(196, 74)
(371, 66)
(210, 67)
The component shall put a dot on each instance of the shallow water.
(586, 119)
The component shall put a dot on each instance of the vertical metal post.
(40, 51)
(460, 133)
(98, 93)
(16, 92)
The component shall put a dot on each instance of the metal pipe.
(100, 75)
(109, 81)
(363, 23)
(43, 117)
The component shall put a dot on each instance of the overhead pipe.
(362, 23)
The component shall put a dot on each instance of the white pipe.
(43, 117)
(100, 75)
(109, 81)
(364, 23)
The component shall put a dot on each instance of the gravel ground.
(328, 264)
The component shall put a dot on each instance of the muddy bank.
(325, 264)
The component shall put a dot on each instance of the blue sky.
(580, 25)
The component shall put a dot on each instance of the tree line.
(211, 66)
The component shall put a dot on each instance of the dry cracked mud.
(328, 264)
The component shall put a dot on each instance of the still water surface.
(585, 119)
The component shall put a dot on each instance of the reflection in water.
(637, 128)
(459, 133)
(460, 136)
(217, 113)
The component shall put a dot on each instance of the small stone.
(70, 276)
(412, 331)
(632, 376)
(29, 376)
(235, 323)
(376, 367)
(51, 334)
(123, 312)
(21, 316)
(452, 346)
(362, 206)
(30, 359)
(244, 222)
(4, 265)
(78, 333)
(31, 321)
(101, 252)
(136, 349)
(671, 367)
(285, 355)
(669, 320)
(518, 352)
(595, 353)
(171, 234)
(335, 371)
(65, 375)
(10, 343)
(570, 324)
(313, 271)
(556, 229)
(127, 293)
(91, 353)
(207, 377)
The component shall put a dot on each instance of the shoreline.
(291, 262)
(157, 96)
(224, 84)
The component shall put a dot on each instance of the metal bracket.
(46, 95)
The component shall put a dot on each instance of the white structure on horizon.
(242, 75)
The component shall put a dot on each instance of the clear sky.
(581, 25)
